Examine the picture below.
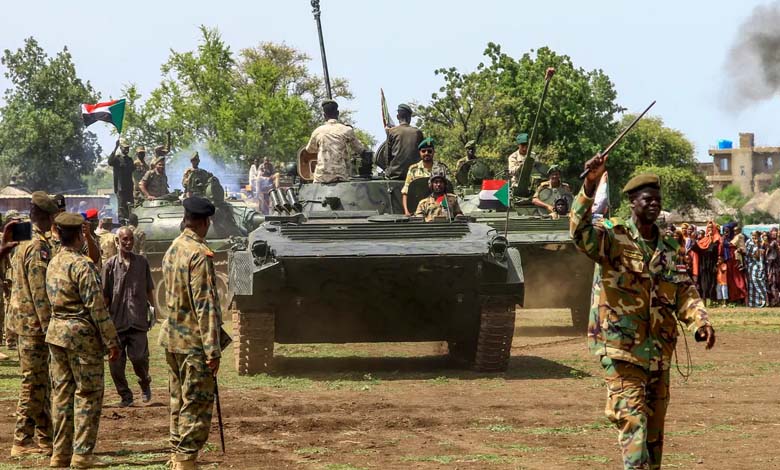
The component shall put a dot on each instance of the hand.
(549, 73)
(8, 243)
(213, 364)
(113, 353)
(117, 144)
(407, 213)
(708, 333)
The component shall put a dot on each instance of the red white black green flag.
(112, 112)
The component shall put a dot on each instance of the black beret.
(69, 220)
(42, 200)
(405, 108)
(59, 199)
(642, 181)
(329, 104)
(197, 205)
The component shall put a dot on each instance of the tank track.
(254, 339)
(494, 342)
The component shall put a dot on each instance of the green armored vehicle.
(341, 263)
(556, 275)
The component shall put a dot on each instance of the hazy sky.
(670, 51)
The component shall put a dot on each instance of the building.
(750, 168)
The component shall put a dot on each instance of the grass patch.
(501, 428)
(312, 451)
(441, 380)
(519, 448)
(342, 466)
(589, 458)
(563, 430)
(468, 458)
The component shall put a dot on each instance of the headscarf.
(725, 247)
(714, 236)
(689, 241)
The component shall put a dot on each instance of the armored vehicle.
(556, 274)
(341, 263)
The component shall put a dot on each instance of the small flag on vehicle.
(494, 194)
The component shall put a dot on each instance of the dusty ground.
(401, 406)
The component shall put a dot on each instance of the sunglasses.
(426, 151)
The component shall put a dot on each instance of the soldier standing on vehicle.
(31, 312)
(402, 142)
(140, 167)
(191, 333)
(557, 189)
(471, 155)
(440, 203)
(80, 332)
(123, 177)
(129, 291)
(517, 158)
(334, 143)
(195, 180)
(154, 184)
(423, 169)
(643, 295)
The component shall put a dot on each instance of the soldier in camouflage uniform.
(80, 332)
(195, 180)
(334, 143)
(557, 188)
(30, 317)
(140, 167)
(154, 184)
(106, 239)
(139, 236)
(642, 296)
(434, 206)
(517, 158)
(191, 333)
(6, 269)
(423, 169)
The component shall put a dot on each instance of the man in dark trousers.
(402, 142)
(123, 177)
(129, 291)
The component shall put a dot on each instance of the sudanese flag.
(494, 194)
(112, 112)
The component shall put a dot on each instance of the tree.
(42, 134)
(732, 196)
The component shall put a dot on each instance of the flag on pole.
(112, 112)
(387, 120)
(494, 194)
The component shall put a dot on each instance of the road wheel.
(462, 352)
(254, 338)
(496, 329)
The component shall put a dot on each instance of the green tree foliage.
(42, 134)
(732, 196)
(757, 217)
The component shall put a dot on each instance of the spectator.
(773, 268)
(708, 247)
(754, 253)
(723, 282)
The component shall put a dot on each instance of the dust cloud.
(752, 67)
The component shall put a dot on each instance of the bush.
(732, 196)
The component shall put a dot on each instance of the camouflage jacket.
(515, 163)
(108, 245)
(156, 183)
(29, 302)
(430, 208)
(79, 319)
(139, 242)
(191, 299)
(561, 191)
(418, 170)
(195, 180)
(641, 297)
(139, 170)
(334, 143)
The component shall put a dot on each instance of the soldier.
(29, 320)
(191, 333)
(557, 188)
(516, 159)
(440, 203)
(140, 167)
(92, 246)
(402, 142)
(106, 239)
(334, 143)
(154, 184)
(123, 177)
(267, 168)
(643, 295)
(80, 332)
(560, 208)
(423, 169)
(195, 179)
(139, 236)
(471, 155)
(7, 275)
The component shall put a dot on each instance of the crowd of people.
(729, 268)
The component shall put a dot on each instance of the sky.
(670, 51)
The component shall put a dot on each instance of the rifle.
(219, 415)
(619, 138)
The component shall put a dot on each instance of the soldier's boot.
(4, 357)
(86, 461)
(185, 465)
(19, 450)
(59, 461)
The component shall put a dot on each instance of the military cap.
(521, 138)
(198, 205)
(436, 175)
(106, 220)
(140, 149)
(330, 105)
(123, 143)
(69, 220)
(91, 214)
(195, 156)
(405, 108)
(160, 150)
(553, 169)
(158, 160)
(59, 199)
(470, 144)
(43, 202)
(427, 142)
(642, 181)
(12, 214)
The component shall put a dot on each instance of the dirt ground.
(360, 406)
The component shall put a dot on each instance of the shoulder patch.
(607, 223)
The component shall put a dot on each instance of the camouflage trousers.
(8, 335)
(33, 412)
(636, 403)
(77, 400)
(191, 386)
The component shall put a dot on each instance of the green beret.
(329, 104)
(195, 156)
(69, 220)
(470, 144)
(405, 108)
(427, 142)
(198, 205)
(642, 181)
(42, 201)
(521, 138)
(552, 169)
(158, 160)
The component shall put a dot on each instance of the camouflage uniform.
(634, 329)
(139, 243)
(156, 183)
(418, 170)
(430, 208)
(561, 191)
(140, 167)
(516, 160)
(190, 336)
(107, 242)
(195, 180)
(334, 143)
(79, 333)
(31, 314)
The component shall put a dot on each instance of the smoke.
(231, 176)
(752, 66)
